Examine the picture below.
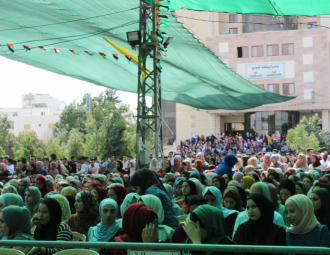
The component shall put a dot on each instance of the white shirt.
(125, 164)
(84, 169)
(11, 168)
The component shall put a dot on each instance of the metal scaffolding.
(149, 135)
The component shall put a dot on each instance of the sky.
(18, 78)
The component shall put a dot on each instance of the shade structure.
(67, 37)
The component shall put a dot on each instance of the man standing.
(84, 166)
(10, 166)
(170, 157)
(125, 162)
(32, 160)
(103, 166)
(111, 164)
(94, 168)
(310, 152)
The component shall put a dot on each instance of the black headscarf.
(193, 188)
(196, 200)
(289, 185)
(169, 169)
(48, 232)
(242, 194)
(259, 228)
(146, 178)
(276, 176)
(73, 168)
(323, 215)
(120, 168)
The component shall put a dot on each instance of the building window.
(26, 126)
(272, 50)
(288, 88)
(288, 49)
(43, 113)
(242, 52)
(312, 25)
(273, 88)
(232, 18)
(233, 31)
(50, 126)
(257, 51)
(15, 114)
(260, 86)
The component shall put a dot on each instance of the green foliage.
(5, 125)
(3, 153)
(300, 140)
(26, 145)
(54, 146)
(313, 127)
(75, 143)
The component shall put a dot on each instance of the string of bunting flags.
(27, 48)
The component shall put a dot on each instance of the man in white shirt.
(125, 162)
(324, 161)
(84, 166)
(10, 166)
(96, 163)
(170, 157)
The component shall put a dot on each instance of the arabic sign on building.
(269, 70)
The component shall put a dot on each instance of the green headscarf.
(170, 175)
(213, 222)
(186, 174)
(239, 204)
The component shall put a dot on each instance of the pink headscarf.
(178, 167)
(3, 168)
(303, 164)
(200, 155)
(41, 164)
(266, 162)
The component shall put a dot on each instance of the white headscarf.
(155, 204)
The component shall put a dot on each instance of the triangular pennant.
(115, 56)
(90, 53)
(103, 55)
(10, 47)
(73, 51)
(43, 48)
(27, 48)
(57, 50)
(129, 58)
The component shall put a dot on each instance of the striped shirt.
(64, 233)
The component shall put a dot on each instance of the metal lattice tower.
(149, 119)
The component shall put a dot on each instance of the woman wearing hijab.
(86, 213)
(266, 162)
(247, 182)
(50, 227)
(126, 178)
(213, 197)
(72, 168)
(53, 171)
(40, 168)
(308, 181)
(209, 177)
(206, 226)
(302, 162)
(99, 193)
(276, 164)
(185, 174)
(287, 189)
(167, 167)
(153, 165)
(72, 200)
(32, 200)
(131, 198)
(277, 206)
(316, 162)
(22, 186)
(65, 206)
(69, 191)
(15, 223)
(118, 193)
(41, 184)
(301, 188)
(232, 199)
(76, 184)
(226, 166)
(146, 181)
(260, 229)
(153, 202)
(119, 167)
(305, 229)
(169, 190)
(188, 189)
(177, 166)
(177, 189)
(219, 182)
(321, 202)
(9, 189)
(108, 228)
(10, 199)
(137, 215)
(102, 180)
(3, 170)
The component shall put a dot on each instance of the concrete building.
(39, 113)
(286, 55)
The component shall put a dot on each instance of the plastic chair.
(11, 252)
(78, 237)
(75, 252)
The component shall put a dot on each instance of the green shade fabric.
(191, 75)
(273, 7)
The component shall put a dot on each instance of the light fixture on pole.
(167, 41)
(134, 38)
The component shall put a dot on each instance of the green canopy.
(191, 75)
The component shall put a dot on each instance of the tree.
(54, 146)
(6, 138)
(26, 145)
(75, 145)
(74, 116)
(129, 140)
(299, 139)
(3, 153)
(313, 127)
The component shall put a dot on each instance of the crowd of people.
(256, 198)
